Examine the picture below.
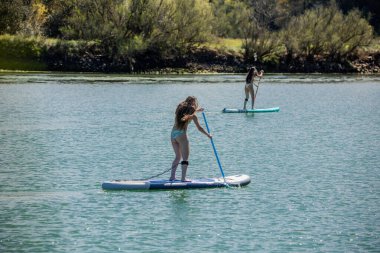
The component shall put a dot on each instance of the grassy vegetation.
(225, 44)
(31, 53)
(7, 63)
(21, 53)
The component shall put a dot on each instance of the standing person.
(185, 113)
(249, 82)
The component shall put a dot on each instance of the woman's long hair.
(183, 109)
(251, 73)
(191, 100)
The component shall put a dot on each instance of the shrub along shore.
(40, 54)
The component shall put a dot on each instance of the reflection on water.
(179, 197)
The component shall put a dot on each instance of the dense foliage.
(326, 31)
(121, 30)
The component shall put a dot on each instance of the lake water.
(315, 165)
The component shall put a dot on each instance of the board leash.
(215, 152)
(157, 175)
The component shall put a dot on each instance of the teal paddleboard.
(274, 109)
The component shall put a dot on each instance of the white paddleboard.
(154, 184)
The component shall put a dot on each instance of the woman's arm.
(199, 127)
(200, 109)
(259, 74)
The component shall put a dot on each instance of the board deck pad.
(231, 110)
(155, 184)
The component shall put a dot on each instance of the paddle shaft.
(257, 90)
(213, 146)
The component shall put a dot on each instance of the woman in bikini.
(249, 82)
(185, 113)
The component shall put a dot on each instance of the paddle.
(213, 146)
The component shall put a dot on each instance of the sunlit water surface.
(315, 165)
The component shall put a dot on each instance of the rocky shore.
(369, 64)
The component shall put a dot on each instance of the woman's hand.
(200, 109)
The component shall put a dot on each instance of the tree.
(11, 13)
(231, 18)
(36, 16)
(326, 31)
(182, 24)
(370, 8)
(347, 33)
(260, 42)
(111, 23)
(58, 12)
(122, 24)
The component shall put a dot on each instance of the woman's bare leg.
(252, 91)
(185, 152)
(177, 159)
(246, 97)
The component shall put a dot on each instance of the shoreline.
(39, 54)
(174, 73)
(200, 62)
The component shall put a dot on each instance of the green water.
(315, 165)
